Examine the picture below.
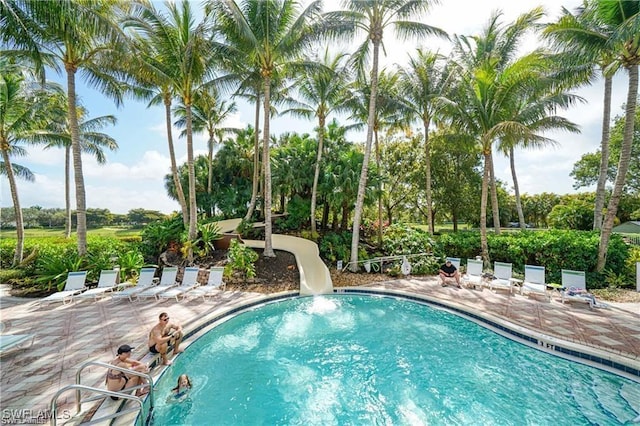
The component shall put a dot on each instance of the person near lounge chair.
(117, 381)
(448, 270)
(162, 335)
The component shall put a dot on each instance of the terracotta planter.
(224, 242)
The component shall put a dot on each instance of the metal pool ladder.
(99, 393)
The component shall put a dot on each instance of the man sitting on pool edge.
(448, 270)
(162, 335)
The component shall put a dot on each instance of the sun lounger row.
(573, 282)
(146, 287)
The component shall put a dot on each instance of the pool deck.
(66, 336)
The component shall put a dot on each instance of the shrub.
(399, 239)
(242, 259)
(335, 246)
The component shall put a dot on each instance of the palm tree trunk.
(81, 201)
(357, 216)
(67, 192)
(484, 246)
(516, 188)
(623, 166)
(316, 174)
(268, 246)
(19, 253)
(193, 212)
(604, 150)
(379, 231)
(494, 196)
(172, 156)
(256, 163)
(210, 163)
(427, 166)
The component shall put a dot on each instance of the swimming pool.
(336, 360)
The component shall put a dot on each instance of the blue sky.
(134, 175)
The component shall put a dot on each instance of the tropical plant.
(271, 34)
(373, 18)
(624, 18)
(75, 36)
(130, 263)
(322, 91)
(241, 260)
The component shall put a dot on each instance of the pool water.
(351, 360)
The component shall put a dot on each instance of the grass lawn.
(117, 232)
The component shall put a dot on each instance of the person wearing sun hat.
(119, 380)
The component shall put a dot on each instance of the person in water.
(184, 385)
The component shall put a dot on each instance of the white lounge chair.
(107, 283)
(189, 282)
(473, 276)
(75, 284)
(534, 281)
(167, 281)
(212, 287)
(574, 289)
(503, 279)
(145, 281)
(9, 342)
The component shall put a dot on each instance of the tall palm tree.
(209, 112)
(373, 17)
(584, 40)
(58, 134)
(624, 18)
(78, 36)
(185, 48)
(272, 34)
(323, 91)
(23, 110)
(424, 84)
(492, 83)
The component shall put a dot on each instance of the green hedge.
(553, 249)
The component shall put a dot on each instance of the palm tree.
(491, 85)
(58, 134)
(272, 34)
(323, 91)
(23, 110)
(374, 17)
(584, 39)
(77, 36)
(624, 18)
(186, 56)
(209, 112)
(424, 83)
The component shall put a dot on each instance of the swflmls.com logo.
(31, 417)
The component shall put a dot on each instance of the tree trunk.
(67, 192)
(210, 162)
(193, 211)
(19, 253)
(316, 174)
(256, 163)
(325, 214)
(484, 246)
(516, 189)
(172, 157)
(362, 184)
(81, 201)
(268, 245)
(623, 166)
(494, 196)
(379, 230)
(604, 150)
(427, 166)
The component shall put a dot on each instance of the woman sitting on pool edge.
(117, 381)
(184, 385)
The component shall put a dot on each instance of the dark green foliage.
(298, 212)
(157, 235)
(553, 249)
(335, 246)
(401, 239)
(242, 260)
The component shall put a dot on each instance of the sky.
(133, 176)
